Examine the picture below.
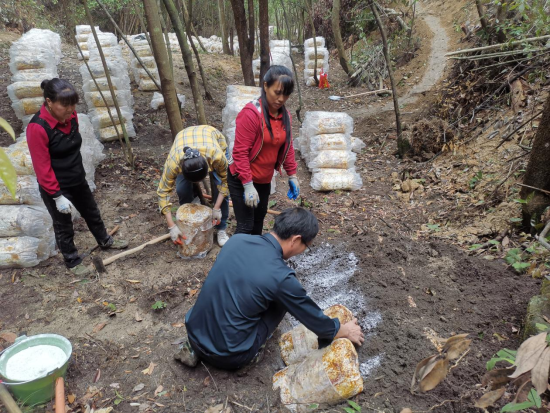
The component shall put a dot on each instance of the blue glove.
(294, 191)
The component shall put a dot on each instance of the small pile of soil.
(427, 138)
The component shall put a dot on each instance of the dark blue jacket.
(248, 275)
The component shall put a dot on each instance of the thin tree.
(187, 61)
(163, 65)
(309, 4)
(245, 34)
(264, 38)
(537, 174)
(223, 26)
(338, 37)
(187, 21)
(403, 144)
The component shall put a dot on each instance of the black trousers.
(83, 200)
(249, 220)
(267, 325)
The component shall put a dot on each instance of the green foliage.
(525, 18)
(354, 407)
(533, 400)
(433, 227)
(503, 355)
(475, 179)
(514, 257)
(7, 171)
(119, 398)
(159, 305)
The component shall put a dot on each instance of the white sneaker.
(222, 238)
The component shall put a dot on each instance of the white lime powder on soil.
(34, 362)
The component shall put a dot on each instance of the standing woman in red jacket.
(263, 143)
(54, 144)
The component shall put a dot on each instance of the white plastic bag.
(334, 179)
(22, 90)
(333, 159)
(20, 158)
(329, 142)
(26, 192)
(357, 144)
(310, 42)
(21, 220)
(320, 123)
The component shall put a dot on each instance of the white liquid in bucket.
(34, 362)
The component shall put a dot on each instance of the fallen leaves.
(158, 390)
(490, 398)
(71, 398)
(149, 370)
(432, 370)
(412, 304)
(9, 338)
(137, 317)
(529, 354)
(219, 408)
(99, 327)
(138, 387)
(97, 376)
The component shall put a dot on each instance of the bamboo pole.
(163, 25)
(105, 101)
(499, 54)
(499, 46)
(142, 23)
(130, 154)
(119, 31)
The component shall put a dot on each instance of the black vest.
(64, 153)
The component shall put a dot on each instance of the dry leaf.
(71, 398)
(99, 327)
(192, 292)
(451, 340)
(529, 353)
(421, 368)
(8, 337)
(406, 410)
(488, 399)
(133, 281)
(138, 387)
(215, 409)
(137, 317)
(539, 374)
(97, 376)
(206, 381)
(436, 375)
(457, 349)
(411, 302)
(177, 325)
(158, 390)
(497, 378)
(149, 370)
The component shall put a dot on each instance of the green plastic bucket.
(42, 389)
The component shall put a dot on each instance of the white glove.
(175, 234)
(216, 216)
(64, 205)
(251, 197)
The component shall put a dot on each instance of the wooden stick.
(59, 395)
(544, 191)
(111, 233)
(498, 46)
(366, 93)
(269, 211)
(136, 249)
(507, 137)
(8, 401)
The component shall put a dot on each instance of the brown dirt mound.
(428, 136)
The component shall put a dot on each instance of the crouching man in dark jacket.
(247, 293)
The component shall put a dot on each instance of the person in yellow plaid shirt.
(197, 151)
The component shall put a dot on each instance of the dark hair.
(59, 90)
(283, 75)
(296, 221)
(194, 169)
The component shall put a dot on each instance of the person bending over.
(247, 293)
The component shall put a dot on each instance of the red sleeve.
(289, 164)
(37, 140)
(247, 129)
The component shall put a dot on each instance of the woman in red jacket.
(263, 143)
(54, 144)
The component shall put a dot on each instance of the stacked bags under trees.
(279, 54)
(311, 61)
(325, 143)
(83, 32)
(97, 107)
(33, 58)
(143, 50)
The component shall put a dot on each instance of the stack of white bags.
(325, 143)
(312, 60)
(33, 58)
(83, 32)
(279, 53)
(97, 107)
(237, 98)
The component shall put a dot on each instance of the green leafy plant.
(526, 200)
(533, 400)
(502, 355)
(354, 407)
(119, 398)
(514, 257)
(7, 171)
(159, 305)
(475, 180)
(111, 307)
(433, 227)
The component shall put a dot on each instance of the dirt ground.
(402, 284)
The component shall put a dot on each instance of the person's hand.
(216, 216)
(63, 205)
(176, 234)
(352, 331)
(294, 191)
(251, 197)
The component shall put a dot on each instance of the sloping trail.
(435, 65)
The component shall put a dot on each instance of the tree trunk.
(187, 60)
(338, 37)
(481, 12)
(310, 12)
(246, 44)
(223, 26)
(187, 21)
(500, 16)
(163, 66)
(264, 39)
(537, 173)
(403, 144)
